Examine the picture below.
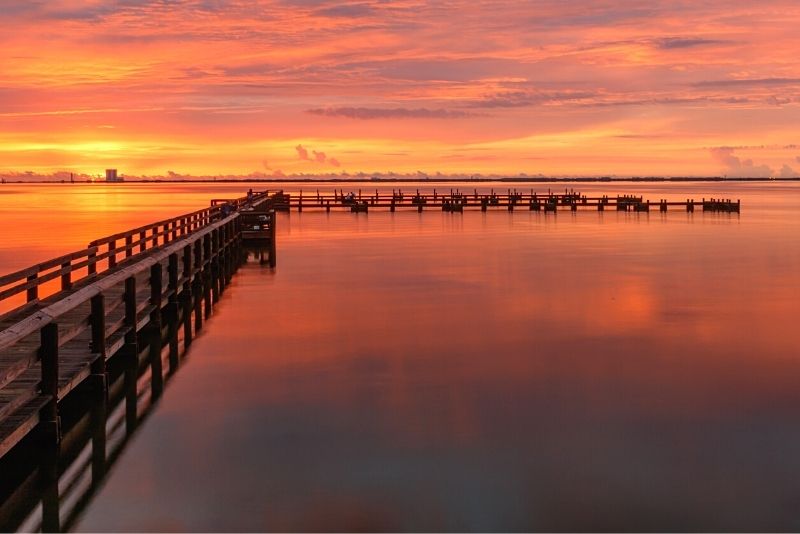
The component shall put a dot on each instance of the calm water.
(498, 371)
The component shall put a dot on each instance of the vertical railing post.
(142, 241)
(112, 253)
(33, 292)
(91, 268)
(66, 275)
(129, 245)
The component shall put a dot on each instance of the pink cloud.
(736, 167)
(788, 172)
(591, 80)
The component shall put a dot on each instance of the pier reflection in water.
(46, 487)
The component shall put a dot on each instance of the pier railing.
(106, 253)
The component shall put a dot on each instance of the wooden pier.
(510, 200)
(128, 296)
(121, 298)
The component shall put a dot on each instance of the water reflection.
(407, 372)
(486, 372)
(46, 487)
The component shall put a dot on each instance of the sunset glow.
(218, 87)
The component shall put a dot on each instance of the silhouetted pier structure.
(121, 298)
(459, 201)
(94, 335)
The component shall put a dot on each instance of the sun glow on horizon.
(537, 87)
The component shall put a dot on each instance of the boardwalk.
(122, 297)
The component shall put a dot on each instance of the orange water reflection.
(490, 372)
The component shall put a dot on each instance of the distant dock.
(510, 200)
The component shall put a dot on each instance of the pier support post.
(197, 287)
(186, 296)
(98, 421)
(130, 353)
(172, 312)
(214, 267)
(197, 292)
(154, 332)
(48, 353)
(97, 320)
(273, 260)
(206, 275)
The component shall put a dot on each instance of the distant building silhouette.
(112, 176)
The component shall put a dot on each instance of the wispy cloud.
(678, 43)
(390, 113)
(217, 85)
(757, 82)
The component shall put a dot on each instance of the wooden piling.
(48, 355)
(97, 321)
(154, 334)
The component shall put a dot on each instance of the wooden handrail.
(120, 244)
(51, 313)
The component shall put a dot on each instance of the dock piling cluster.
(511, 199)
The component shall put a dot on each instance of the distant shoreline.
(410, 180)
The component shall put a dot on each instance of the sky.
(274, 88)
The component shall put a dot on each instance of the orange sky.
(216, 87)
